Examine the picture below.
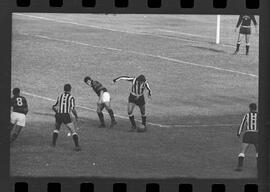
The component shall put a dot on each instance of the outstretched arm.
(124, 77)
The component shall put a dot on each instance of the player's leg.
(257, 153)
(13, 121)
(58, 122)
(16, 131)
(100, 107)
(20, 120)
(247, 36)
(75, 136)
(131, 116)
(238, 43)
(11, 126)
(141, 104)
(241, 156)
(107, 103)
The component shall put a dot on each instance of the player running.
(18, 115)
(244, 22)
(104, 101)
(250, 135)
(136, 97)
(63, 107)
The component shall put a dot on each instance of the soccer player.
(104, 101)
(136, 97)
(63, 107)
(244, 22)
(18, 115)
(250, 135)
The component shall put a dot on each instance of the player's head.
(67, 87)
(16, 91)
(87, 80)
(141, 78)
(252, 106)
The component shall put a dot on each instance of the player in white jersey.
(250, 136)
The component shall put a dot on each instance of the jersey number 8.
(19, 101)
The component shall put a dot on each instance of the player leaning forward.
(136, 97)
(250, 136)
(18, 115)
(64, 106)
(104, 101)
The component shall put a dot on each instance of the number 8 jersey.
(19, 104)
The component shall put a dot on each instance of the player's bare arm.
(149, 89)
(241, 126)
(75, 114)
(54, 107)
(100, 97)
(124, 77)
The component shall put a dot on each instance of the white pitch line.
(187, 34)
(149, 55)
(114, 30)
(124, 117)
(90, 109)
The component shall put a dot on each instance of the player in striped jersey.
(104, 101)
(250, 136)
(64, 106)
(18, 115)
(244, 22)
(136, 97)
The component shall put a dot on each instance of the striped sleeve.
(72, 103)
(242, 124)
(124, 77)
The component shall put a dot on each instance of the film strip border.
(149, 6)
(249, 4)
(142, 186)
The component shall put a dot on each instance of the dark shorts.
(245, 30)
(250, 137)
(140, 101)
(62, 118)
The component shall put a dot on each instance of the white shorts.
(105, 97)
(18, 118)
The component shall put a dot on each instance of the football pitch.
(200, 94)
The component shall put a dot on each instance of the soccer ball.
(141, 128)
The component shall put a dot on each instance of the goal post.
(218, 30)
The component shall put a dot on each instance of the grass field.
(200, 94)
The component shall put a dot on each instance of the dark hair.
(87, 78)
(16, 91)
(67, 87)
(141, 78)
(252, 106)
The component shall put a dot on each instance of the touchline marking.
(148, 55)
(124, 117)
(182, 33)
(115, 30)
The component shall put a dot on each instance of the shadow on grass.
(209, 49)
